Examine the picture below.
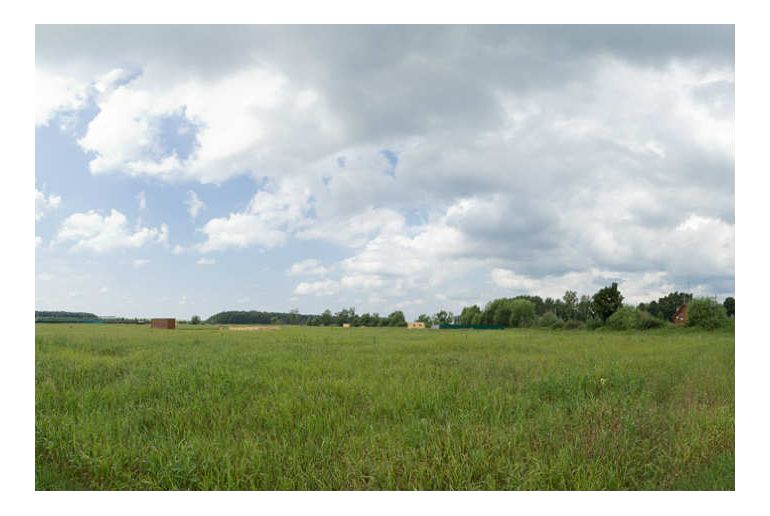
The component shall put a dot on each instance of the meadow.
(126, 407)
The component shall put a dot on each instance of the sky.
(185, 170)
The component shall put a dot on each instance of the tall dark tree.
(729, 305)
(195, 319)
(606, 301)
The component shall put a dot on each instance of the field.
(127, 407)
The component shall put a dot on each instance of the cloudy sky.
(187, 170)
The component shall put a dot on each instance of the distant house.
(346, 325)
(680, 316)
(419, 325)
(163, 323)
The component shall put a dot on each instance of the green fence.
(470, 327)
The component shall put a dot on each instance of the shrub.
(646, 321)
(574, 324)
(548, 320)
(706, 313)
(593, 323)
(624, 318)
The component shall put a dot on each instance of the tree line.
(327, 318)
(603, 308)
(65, 317)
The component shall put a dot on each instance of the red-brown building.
(163, 324)
(680, 316)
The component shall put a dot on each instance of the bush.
(548, 320)
(646, 321)
(624, 318)
(593, 323)
(574, 324)
(706, 313)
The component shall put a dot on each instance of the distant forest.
(69, 317)
(82, 317)
(604, 308)
(255, 317)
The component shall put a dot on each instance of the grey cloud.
(581, 146)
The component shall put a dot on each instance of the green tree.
(570, 304)
(345, 316)
(606, 301)
(584, 311)
(469, 313)
(397, 319)
(502, 315)
(522, 313)
(651, 307)
(667, 305)
(443, 317)
(327, 318)
(425, 318)
(490, 314)
(729, 305)
(195, 319)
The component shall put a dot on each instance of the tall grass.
(126, 407)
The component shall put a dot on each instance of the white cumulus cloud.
(266, 223)
(317, 288)
(309, 267)
(98, 232)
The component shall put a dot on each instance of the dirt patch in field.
(253, 328)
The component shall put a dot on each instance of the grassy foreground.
(127, 407)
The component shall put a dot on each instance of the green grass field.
(127, 407)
